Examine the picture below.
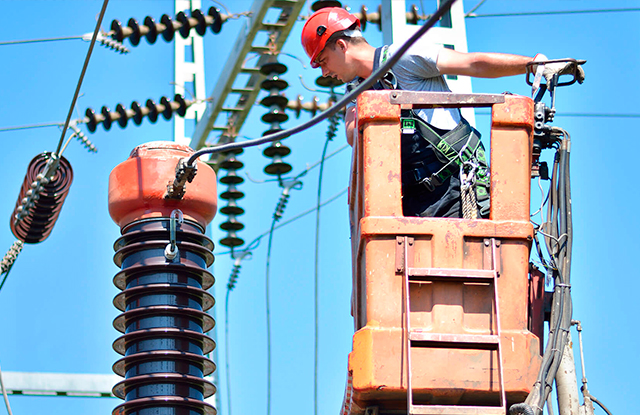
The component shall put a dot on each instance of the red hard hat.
(321, 25)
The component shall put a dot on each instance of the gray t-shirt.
(417, 71)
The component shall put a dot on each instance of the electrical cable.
(365, 85)
(604, 408)
(26, 127)
(470, 12)
(633, 9)
(316, 264)
(84, 69)
(268, 312)
(581, 114)
(4, 395)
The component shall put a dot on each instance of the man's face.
(334, 62)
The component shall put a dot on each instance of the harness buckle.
(408, 126)
(431, 182)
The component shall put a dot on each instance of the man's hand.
(560, 68)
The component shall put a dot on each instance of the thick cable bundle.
(40, 199)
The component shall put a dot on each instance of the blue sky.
(56, 306)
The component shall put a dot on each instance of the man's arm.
(350, 123)
(481, 65)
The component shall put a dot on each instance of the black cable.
(604, 408)
(634, 9)
(334, 109)
(84, 69)
(580, 114)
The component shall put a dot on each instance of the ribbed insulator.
(168, 27)
(151, 110)
(40, 200)
(164, 319)
(231, 194)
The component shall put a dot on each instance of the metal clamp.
(171, 250)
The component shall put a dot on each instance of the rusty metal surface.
(444, 305)
(444, 99)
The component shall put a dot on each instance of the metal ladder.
(481, 342)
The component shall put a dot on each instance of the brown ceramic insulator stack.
(231, 195)
(163, 255)
(276, 102)
(40, 199)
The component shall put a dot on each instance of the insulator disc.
(201, 27)
(271, 131)
(169, 30)
(232, 209)
(38, 223)
(134, 37)
(275, 116)
(321, 4)
(152, 34)
(273, 67)
(186, 26)
(217, 20)
(93, 122)
(276, 149)
(231, 163)
(278, 168)
(122, 121)
(274, 83)
(118, 33)
(231, 193)
(328, 82)
(106, 113)
(138, 116)
(279, 100)
(231, 178)
(231, 240)
(232, 225)
(153, 111)
(167, 112)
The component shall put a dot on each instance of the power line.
(26, 127)
(633, 9)
(49, 39)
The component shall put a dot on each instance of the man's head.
(326, 30)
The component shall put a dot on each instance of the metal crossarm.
(423, 338)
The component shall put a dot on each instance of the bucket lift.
(447, 318)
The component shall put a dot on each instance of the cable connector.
(11, 256)
(235, 272)
(184, 173)
(284, 197)
(107, 42)
(83, 139)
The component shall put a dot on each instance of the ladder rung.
(273, 25)
(234, 109)
(242, 90)
(456, 410)
(249, 70)
(462, 339)
(451, 273)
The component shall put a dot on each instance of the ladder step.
(451, 273)
(456, 410)
(478, 340)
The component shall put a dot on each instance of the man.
(333, 41)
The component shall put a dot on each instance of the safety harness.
(459, 150)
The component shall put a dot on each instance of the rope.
(469, 202)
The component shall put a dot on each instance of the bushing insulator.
(273, 68)
(274, 83)
(137, 186)
(42, 215)
(164, 301)
(276, 149)
(277, 100)
(321, 4)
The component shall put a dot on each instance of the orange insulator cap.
(137, 186)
